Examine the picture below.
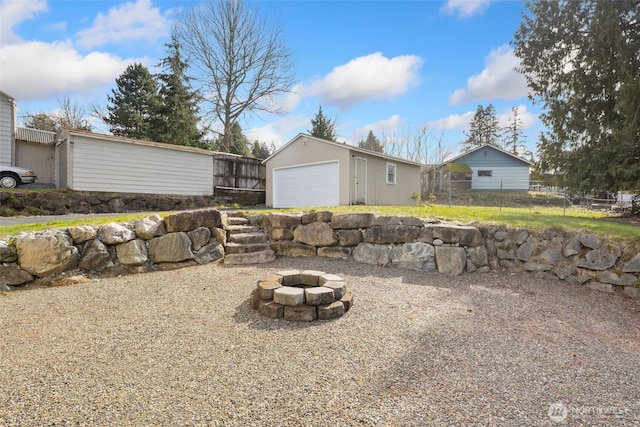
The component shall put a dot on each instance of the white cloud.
(37, 70)
(457, 122)
(13, 12)
(390, 125)
(498, 80)
(279, 131)
(366, 78)
(126, 22)
(460, 122)
(465, 8)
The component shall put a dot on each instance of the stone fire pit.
(301, 296)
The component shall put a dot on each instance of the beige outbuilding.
(309, 171)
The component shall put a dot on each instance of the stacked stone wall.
(197, 237)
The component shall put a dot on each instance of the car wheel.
(9, 181)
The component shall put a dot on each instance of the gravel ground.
(183, 347)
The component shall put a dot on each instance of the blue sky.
(391, 67)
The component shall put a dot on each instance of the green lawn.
(532, 218)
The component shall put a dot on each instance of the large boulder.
(633, 265)
(320, 216)
(114, 234)
(209, 253)
(453, 234)
(370, 253)
(133, 252)
(414, 256)
(7, 252)
(451, 260)
(13, 275)
(599, 259)
(150, 227)
(83, 233)
(386, 234)
(172, 247)
(199, 237)
(46, 254)
(95, 256)
(293, 249)
(315, 234)
(353, 220)
(281, 220)
(349, 237)
(478, 256)
(190, 220)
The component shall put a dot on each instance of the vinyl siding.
(105, 165)
(6, 129)
(505, 178)
(487, 158)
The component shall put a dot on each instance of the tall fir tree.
(371, 143)
(323, 126)
(514, 136)
(134, 104)
(483, 128)
(177, 116)
(581, 62)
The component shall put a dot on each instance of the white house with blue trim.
(495, 169)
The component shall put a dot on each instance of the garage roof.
(346, 147)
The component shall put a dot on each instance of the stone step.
(238, 229)
(240, 248)
(259, 257)
(245, 238)
(238, 220)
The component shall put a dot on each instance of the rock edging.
(200, 236)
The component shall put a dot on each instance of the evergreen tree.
(134, 104)
(513, 134)
(581, 62)
(372, 143)
(260, 150)
(483, 128)
(177, 115)
(239, 144)
(323, 126)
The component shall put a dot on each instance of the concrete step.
(245, 238)
(238, 220)
(259, 257)
(239, 248)
(237, 229)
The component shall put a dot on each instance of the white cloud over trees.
(498, 80)
(39, 70)
(367, 78)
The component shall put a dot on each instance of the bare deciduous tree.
(68, 115)
(241, 62)
(419, 145)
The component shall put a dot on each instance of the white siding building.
(7, 126)
(94, 162)
(495, 169)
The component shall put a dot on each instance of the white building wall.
(105, 165)
(7, 124)
(505, 178)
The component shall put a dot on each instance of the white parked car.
(13, 176)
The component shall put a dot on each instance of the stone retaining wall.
(197, 237)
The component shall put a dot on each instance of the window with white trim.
(391, 173)
(485, 173)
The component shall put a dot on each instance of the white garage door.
(306, 185)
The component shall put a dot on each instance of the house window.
(391, 173)
(485, 173)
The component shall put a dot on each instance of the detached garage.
(309, 171)
(307, 185)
